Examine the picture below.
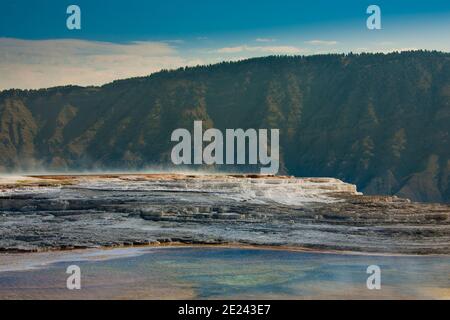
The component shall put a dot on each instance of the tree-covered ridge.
(380, 121)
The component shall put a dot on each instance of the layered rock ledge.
(40, 213)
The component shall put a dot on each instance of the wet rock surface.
(69, 212)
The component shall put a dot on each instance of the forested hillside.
(379, 121)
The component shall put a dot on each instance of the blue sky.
(136, 37)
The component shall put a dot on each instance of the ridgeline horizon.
(208, 65)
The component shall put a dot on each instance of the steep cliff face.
(18, 131)
(379, 121)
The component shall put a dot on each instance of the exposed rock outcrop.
(116, 210)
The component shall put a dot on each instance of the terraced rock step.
(64, 212)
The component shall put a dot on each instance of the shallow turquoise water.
(212, 273)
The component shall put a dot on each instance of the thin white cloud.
(176, 41)
(45, 63)
(322, 42)
(396, 50)
(383, 49)
(265, 40)
(261, 49)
